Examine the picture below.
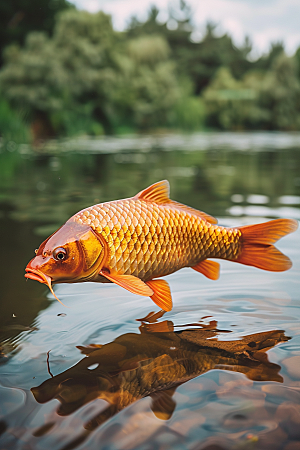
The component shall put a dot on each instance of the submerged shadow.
(154, 363)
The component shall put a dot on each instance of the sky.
(264, 21)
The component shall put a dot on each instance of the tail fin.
(257, 245)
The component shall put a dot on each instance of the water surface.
(221, 370)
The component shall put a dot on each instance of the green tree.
(261, 100)
(280, 94)
(86, 74)
(19, 17)
(12, 128)
(88, 78)
(266, 61)
(197, 60)
(32, 80)
(86, 47)
(52, 78)
(146, 87)
(297, 62)
(214, 52)
(230, 105)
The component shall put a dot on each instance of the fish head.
(75, 252)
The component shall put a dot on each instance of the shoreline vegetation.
(81, 77)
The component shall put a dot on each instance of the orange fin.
(162, 294)
(266, 257)
(269, 232)
(157, 193)
(129, 282)
(160, 193)
(195, 212)
(210, 269)
(257, 248)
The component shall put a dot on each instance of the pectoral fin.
(159, 193)
(210, 269)
(162, 294)
(129, 282)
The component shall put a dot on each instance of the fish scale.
(148, 240)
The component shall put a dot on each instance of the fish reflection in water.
(154, 363)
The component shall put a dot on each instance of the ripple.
(11, 400)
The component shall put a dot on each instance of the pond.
(219, 371)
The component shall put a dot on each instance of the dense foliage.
(83, 77)
(19, 17)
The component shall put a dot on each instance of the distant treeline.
(69, 73)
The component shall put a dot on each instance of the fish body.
(148, 240)
(134, 241)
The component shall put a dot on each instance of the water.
(215, 372)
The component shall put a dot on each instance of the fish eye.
(60, 254)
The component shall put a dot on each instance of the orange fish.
(134, 241)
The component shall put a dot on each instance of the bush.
(188, 114)
(12, 127)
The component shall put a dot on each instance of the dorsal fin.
(157, 193)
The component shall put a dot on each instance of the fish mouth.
(37, 275)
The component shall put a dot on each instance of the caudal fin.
(257, 245)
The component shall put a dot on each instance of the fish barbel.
(134, 241)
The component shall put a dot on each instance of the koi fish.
(135, 241)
